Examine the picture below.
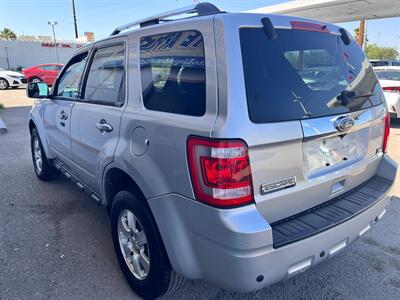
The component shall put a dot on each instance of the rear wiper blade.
(345, 97)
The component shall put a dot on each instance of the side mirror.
(37, 90)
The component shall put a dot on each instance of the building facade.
(17, 54)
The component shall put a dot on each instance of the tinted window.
(68, 85)
(302, 74)
(105, 81)
(388, 75)
(48, 68)
(172, 68)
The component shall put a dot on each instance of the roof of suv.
(206, 11)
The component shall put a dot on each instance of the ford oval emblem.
(344, 123)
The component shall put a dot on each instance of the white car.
(384, 63)
(11, 79)
(389, 78)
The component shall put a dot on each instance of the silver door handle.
(103, 126)
(63, 116)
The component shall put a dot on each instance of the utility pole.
(8, 61)
(361, 33)
(74, 17)
(365, 40)
(53, 24)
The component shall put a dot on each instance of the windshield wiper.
(297, 99)
(345, 97)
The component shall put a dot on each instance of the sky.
(30, 17)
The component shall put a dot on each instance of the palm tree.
(7, 34)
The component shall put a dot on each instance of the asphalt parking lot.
(55, 241)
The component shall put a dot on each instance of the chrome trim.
(325, 126)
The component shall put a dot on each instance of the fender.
(133, 174)
(36, 117)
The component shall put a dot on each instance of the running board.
(81, 185)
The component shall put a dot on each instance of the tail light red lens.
(393, 89)
(309, 26)
(386, 133)
(220, 171)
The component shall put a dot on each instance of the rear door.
(316, 114)
(96, 116)
(58, 112)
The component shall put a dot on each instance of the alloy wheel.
(37, 154)
(3, 84)
(133, 244)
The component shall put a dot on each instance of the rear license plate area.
(322, 154)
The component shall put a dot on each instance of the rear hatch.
(321, 101)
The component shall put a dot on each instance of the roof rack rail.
(202, 9)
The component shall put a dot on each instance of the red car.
(45, 72)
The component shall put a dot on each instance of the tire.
(160, 279)
(3, 84)
(35, 79)
(41, 165)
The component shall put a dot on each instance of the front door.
(96, 116)
(57, 115)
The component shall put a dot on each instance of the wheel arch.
(116, 180)
(124, 181)
(8, 81)
(31, 125)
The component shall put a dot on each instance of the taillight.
(386, 133)
(220, 171)
(393, 89)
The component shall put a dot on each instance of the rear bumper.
(235, 248)
(331, 213)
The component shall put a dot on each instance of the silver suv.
(237, 148)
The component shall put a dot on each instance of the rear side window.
(172, 69)
(303, 74)
(105, 82)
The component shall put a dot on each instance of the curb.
(3, 127)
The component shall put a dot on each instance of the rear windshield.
(388, 74)
(304, 74)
